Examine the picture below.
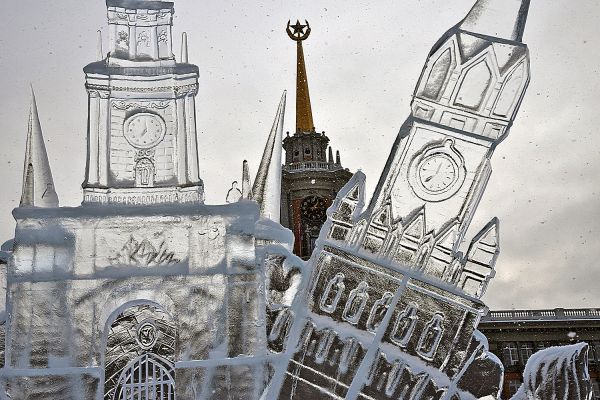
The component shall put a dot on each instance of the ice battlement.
(405, 244)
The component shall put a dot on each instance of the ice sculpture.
(557, 373)
(38, 185)
(144, 292)
(412, 332)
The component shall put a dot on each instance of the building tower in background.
(311, 177)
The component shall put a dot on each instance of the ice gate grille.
(146, 378)
(139, 331)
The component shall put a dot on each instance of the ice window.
(474, 86)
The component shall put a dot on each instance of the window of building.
(540, 346)
(595, 389)
(596, 352)
(510, 354)
(513, 387)
(526, 352)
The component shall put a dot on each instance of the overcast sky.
(363, 60)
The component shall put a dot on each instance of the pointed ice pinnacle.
(267, 185)
(330, 158)
(246, 188)
(184, 48)
(503, 19)
(338, 159)
(38, 186)
(234, 194)
(99, 54)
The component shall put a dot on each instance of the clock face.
(144, 130)
(313, 209)
(437, 173)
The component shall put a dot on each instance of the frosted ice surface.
(557, 373)
(146, 292)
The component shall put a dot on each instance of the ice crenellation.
(407, 244)
(145, 292)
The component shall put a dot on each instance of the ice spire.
(184, 48)
(246, 188)
(499, 18)
(330, 158)
(304, 118)
(99, 52)
(338, 159)
(267, 185)
(38, 186)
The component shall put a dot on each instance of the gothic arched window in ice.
(333, 292)
(431, 337)
(421, 257)
(356, 303)
(357, 232)
(378, 311)
(142, 336)
(348, 355)
(394, 378)
(324, 345)
(280, 324)
(474, 86)
(511, 92)
(437, 76)
(405, 325)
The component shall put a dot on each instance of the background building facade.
(515, 335)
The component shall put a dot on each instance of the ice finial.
(503, 19)
(338, 159)
(267, 185)
(99, 52)
(184, 48)
(234, 194)
(246, 188)
(304, 118)
(330, 158)
(38, 186)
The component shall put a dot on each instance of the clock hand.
(436, 172)
(145, 128)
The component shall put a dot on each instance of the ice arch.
(140, 338)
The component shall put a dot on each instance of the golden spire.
(304, 119)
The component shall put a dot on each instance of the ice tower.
(392, 304)
(142, 145)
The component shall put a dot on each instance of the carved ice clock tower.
(142, 145)
(464, 105)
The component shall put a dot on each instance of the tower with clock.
(141, 129)
(464, 105)
(311, 177)
(393, 301)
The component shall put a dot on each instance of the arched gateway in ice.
(142, 291)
